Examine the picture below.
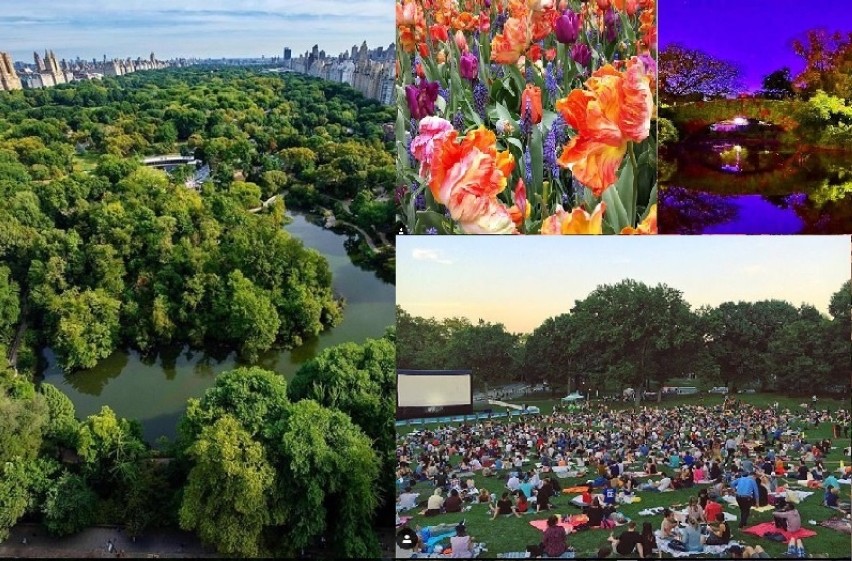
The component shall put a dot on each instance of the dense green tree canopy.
(633, 335)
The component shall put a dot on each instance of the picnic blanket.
(403, 520)
(575, 489)
(838, 524)
(681, 515)
(763, 508)
(514, 555)
(714, 550)
(652, 511)
(767, 527)
(567, 523)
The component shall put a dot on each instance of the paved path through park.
(94, 543)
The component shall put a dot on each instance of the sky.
(520, 281)
(757, 34)
(190, 28)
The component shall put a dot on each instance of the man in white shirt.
(513, 483)
(665, 483)
(407, 500)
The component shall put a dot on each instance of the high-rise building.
(9, 79)
(288, 54)
(39, 63)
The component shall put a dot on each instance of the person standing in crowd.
(747, 496)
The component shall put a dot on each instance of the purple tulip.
(567, 27)
(611, 25)
(468, 66)
(421, 99)
(581, 53)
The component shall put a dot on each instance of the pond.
(753, 178)
(154, 389)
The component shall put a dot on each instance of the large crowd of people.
(736, 451)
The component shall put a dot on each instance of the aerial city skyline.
(370, 71)
(194, 29)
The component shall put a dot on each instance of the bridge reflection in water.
(747, 176)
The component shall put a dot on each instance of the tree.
(330, 490)
(62, 423)
(738, 336)
(359, 380)
(828, 63)
(110, 447)
(86, 327)
(225, 499)
(253, 396)
(14, 496)
(553, 354)
(22, 425)
(250, 316)
(9, 304)
(778, 84)
(69, 506)
(635, 330)
(690, 72)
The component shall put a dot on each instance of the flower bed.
(526, 116)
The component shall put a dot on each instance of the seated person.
(553, 542)
(830, 498)
(484, 496)
(788, 518)
(542, 498)
(691, 536)
(649, 540)
(747, 552)
(596, 513)
(513, 482)
(802, 472)
(711, 510)
(503, 507)
(586, 497)
(526, 486)
(453, 502)
(434, 503)
(831, 480)
(407, 500)
(721, 533)
(609, 495)
(628, 542)
(522, 505)
(694, 510)
(780, 470)
(461, 543)
(665, 483)
(669, 524)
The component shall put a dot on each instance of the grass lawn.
(509, 533)
(86, 162)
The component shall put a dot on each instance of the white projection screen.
(433, 393)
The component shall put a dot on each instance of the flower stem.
(635, 165)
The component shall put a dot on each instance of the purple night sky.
(756, 34)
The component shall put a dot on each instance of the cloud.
(193, 28)
(429, 255)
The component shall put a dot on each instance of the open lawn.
(86, 162)
(511, 534)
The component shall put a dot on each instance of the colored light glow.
(740, 121)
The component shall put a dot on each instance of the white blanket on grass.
(713, 550)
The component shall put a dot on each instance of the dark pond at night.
(154, 389)
(747, 177)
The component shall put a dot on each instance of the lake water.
(154, 389)
(751, 183)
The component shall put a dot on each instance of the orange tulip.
(467, 176)
(531, 97)
(578, 221)
(439, 32)
(629, 6)
(520, 211)
(615, 109)
(461, 41)
(410, 23)
(647, 226)
(508, 45)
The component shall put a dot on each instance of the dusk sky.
(520, 281)
(757, 34)
(191, 28)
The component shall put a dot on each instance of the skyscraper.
(9, 79)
